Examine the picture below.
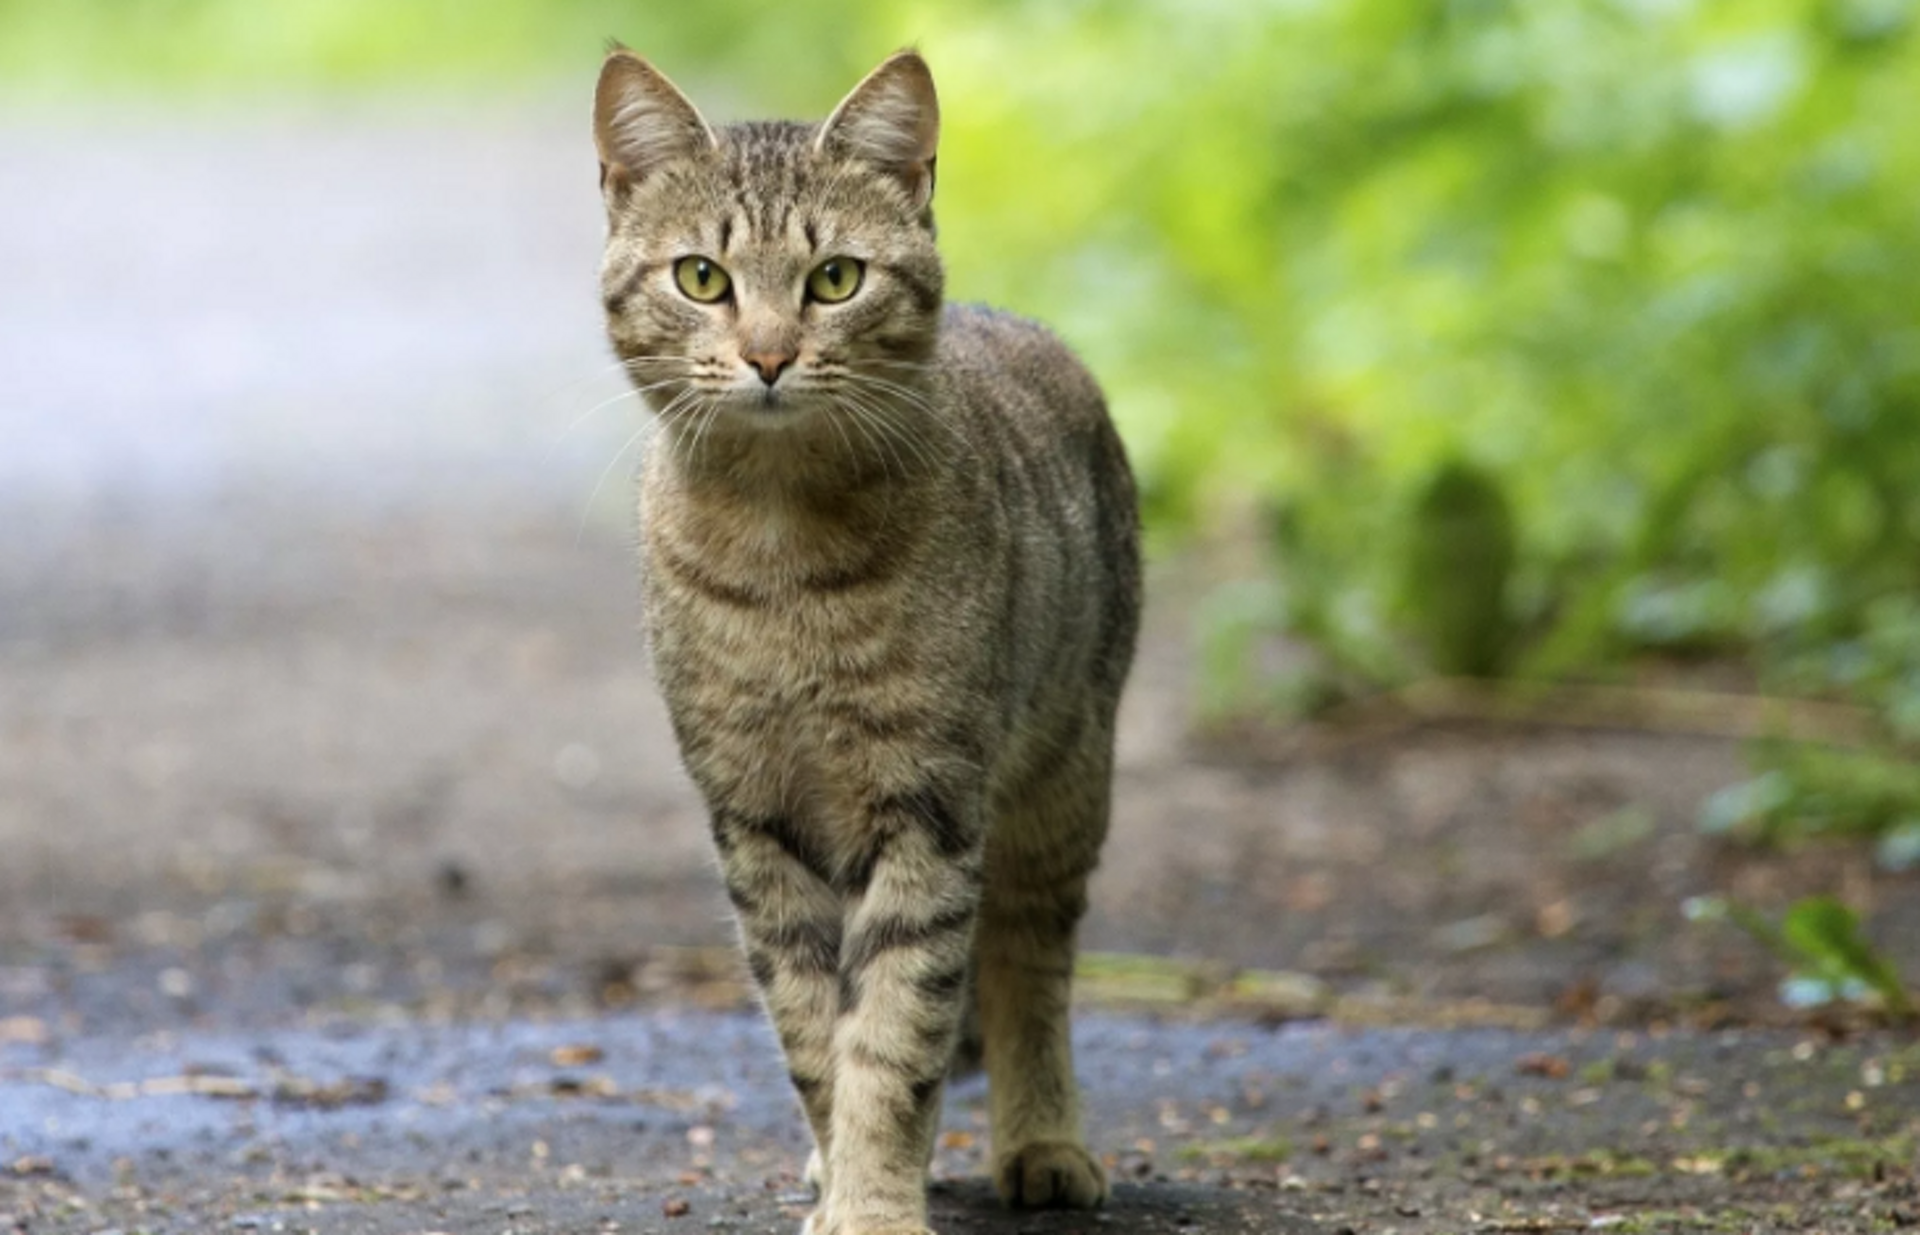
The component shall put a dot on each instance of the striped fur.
(891, 598)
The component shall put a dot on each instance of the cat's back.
(1052, 471)
(1056, 455)
(1012, 368)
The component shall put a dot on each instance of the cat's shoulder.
(984, 346)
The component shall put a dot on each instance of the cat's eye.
(701, 279)
(835, 279)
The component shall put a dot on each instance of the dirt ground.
(423, 749)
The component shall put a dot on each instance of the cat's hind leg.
(1041, 852)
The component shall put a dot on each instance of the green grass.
(1240, 1149)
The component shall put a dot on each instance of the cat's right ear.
(641, 121)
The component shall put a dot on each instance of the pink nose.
(769, 365)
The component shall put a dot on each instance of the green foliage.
(1819, 791)
(229, 48)
(1647, 264)
(1459, 560)
(1820, 941)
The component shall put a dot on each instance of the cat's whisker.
(841, 429)
(704, 416)
(889, 395)
(852, 415)
(866, 413)
(633, 392)
(695, 418)
(587, 509)
(582, 418)
(679, 419)
(707, 409)
(898, 383)
(573, 382)
(888, 440)
(918, 442)
(611, 366)
(918, 398)
(902, 428)
(913, 394)
(676, 418)
(600, 372)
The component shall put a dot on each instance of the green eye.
(835, 279)
(701, 279)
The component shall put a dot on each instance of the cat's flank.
(892, 575)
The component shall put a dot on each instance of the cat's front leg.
(902, 983)
(790, 925)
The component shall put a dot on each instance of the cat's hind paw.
(1051, 1175)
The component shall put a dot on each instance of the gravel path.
(619, 1123)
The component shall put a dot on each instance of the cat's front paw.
(816, 1176)
(1051, 1175)
(818, 1225)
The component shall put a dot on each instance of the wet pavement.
(617, 1123)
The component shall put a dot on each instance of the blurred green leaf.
(1819, 940)
(1818, 791)
(1826, 937)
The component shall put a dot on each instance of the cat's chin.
(770, 409)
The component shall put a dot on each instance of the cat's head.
(757, 274)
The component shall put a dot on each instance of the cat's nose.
(769, 365)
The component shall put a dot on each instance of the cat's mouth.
(770, 404)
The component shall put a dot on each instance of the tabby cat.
(892, 584)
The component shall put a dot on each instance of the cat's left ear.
(892, 120)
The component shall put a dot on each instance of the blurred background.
(1526, 398)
